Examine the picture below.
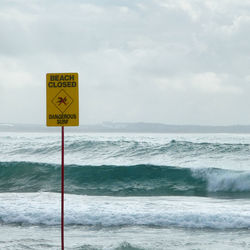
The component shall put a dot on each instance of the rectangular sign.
(62, 99)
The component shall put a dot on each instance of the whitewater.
(125, 191)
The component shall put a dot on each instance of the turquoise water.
(126, 191)
(134, 180)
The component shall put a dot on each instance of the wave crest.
(133, 180)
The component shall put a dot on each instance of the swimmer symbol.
(62, 100)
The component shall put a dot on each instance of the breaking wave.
(134, 180)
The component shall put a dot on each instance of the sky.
(164, 61)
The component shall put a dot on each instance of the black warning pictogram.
(62, 101)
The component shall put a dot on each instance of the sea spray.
(137, 180)
(103, 211)
(126, 191)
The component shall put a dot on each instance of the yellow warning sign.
(62, 99)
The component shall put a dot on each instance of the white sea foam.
(183, 150)
(223, 180)
(190, 212)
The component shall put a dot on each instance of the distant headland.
(126, 127)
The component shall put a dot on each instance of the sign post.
(62, 110)
(62, 192)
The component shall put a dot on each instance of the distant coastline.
(140, 127)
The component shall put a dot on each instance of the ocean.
(125, 191)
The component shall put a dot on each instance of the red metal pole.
(62, 197)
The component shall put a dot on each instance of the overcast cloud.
(169, 61)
